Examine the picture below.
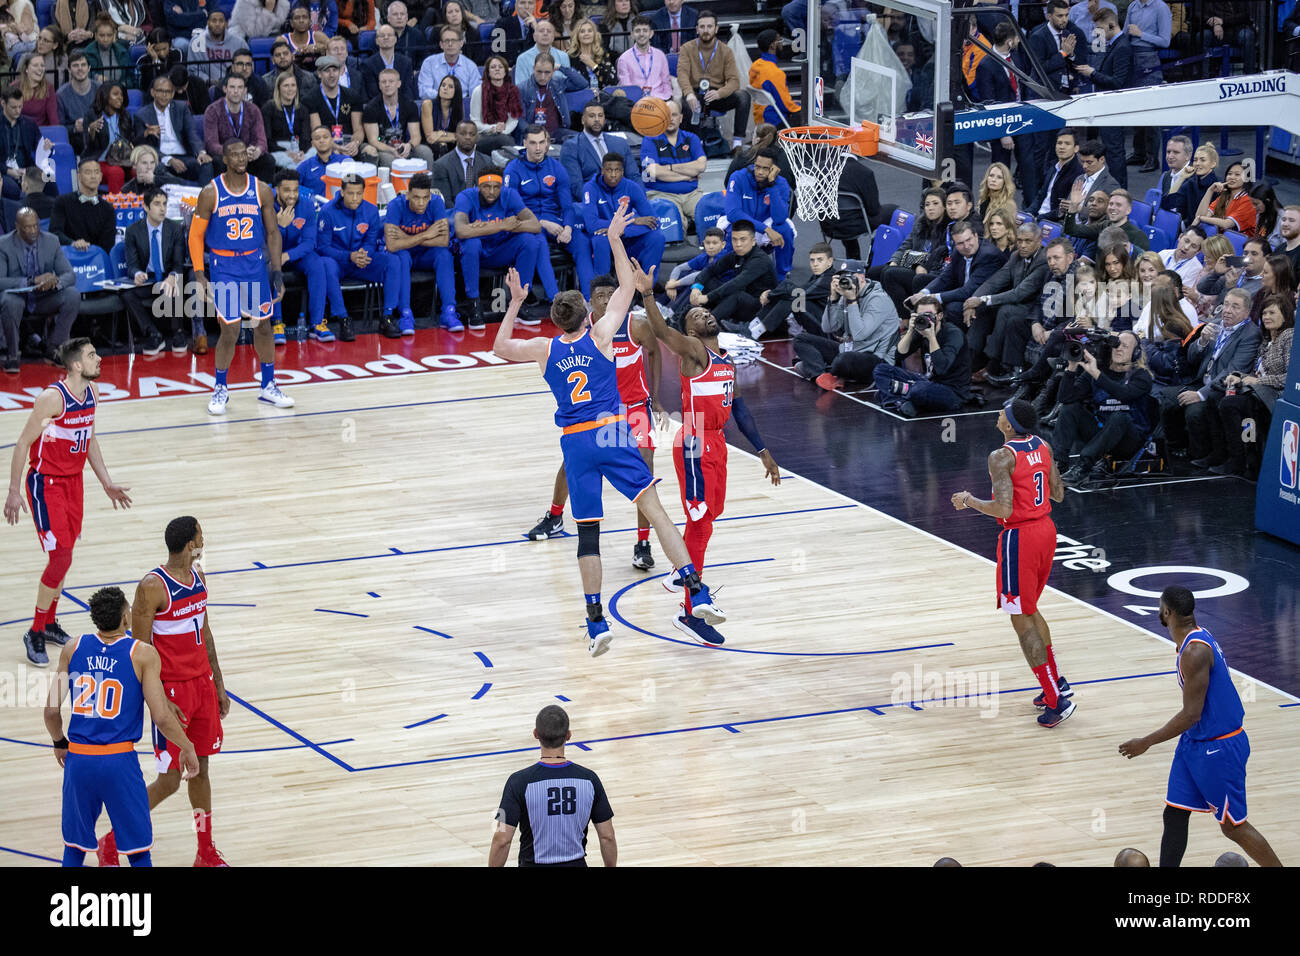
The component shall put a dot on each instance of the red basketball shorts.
(1024, 563)
(701, 462)
(641, 423)
(197, 699)
(57, 503)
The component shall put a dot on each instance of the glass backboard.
(885, 63)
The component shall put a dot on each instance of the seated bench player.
(349, 233)
(760, 194)
(311, 171)
(495, 229)
(417, 230)
(543, 184)
(295, 211)
(601, 196)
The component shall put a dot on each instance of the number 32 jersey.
(236, 223)
(1030, 480)
(178, 628)
(65, 442)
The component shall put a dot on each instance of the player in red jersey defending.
(1025, 482)
(63, 419)
(170, 612)
(709, 401)
(636, 355)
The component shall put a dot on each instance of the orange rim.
(829, 135)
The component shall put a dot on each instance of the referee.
(551, 802)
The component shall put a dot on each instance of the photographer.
(1105, 412)
(945, 384)
(857, 331)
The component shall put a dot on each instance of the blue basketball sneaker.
(1051, 716)
(1063, 689)
(450, 320)
(599, 637)
(702, 606)
(698, 630)
(406, 322)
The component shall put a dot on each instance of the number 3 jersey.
(178, 628)
(584, 381)
(1031, 497)
(65, 442)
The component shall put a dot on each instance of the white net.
(817, 156)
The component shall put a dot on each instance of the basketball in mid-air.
(650, 116)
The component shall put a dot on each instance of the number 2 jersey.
(65, 442)
(178, 628)
(1030, 480)
(583, 380)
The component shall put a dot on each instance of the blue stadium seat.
(1158, 238)
(633, 92)
(65, 167)
(708, 211)
(260, 47)
(1237, 239)
(134, 100)
(485, 31)
(366, 40)
(117, 259)
(1024, 217)
(1049, 229)
(1209, 230)
(670, 220)
(226, 6)
(1141, 214)
(1168, 221)
(89, 266)
(672, 63)
(902, 221)
(884, 243)
(578, 100)
(44, 13)
(55, 134)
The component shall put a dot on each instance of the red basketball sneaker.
(107, 850)
(209, 856)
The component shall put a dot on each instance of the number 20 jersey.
(178, 628)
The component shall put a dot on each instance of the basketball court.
(387, 636)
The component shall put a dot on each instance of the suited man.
(1215, 354)
(19, 137)
(171, 128)
(1096, 174)
(387, 58)
(1114, 71)
(155, 262)
(513, 28)
(459, 170)
(1059, 46)
(997, 309)
(583, 154)
(28, 257)
(995, 83)
(674, 25)
(972, 262)
(1058, 179)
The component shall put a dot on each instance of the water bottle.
(302, 327)
(704, 88)
(595, 85)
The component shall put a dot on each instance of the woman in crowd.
(1208, 288)
(439, 117)
(616, 25)
(1278, 278)
(40, 102)
(1227, 205)
(130, 17)
(997, 191)
(1157, 314)
(495, 106)
(564, 15)
(1257, 393)
(587, 55)
(147, 172)
(110, 134)
(21, 33)
(1195, 178)
(923, 251)
(1000, 229)
(355, 17)
(157, 60)
(74, 18)
(1119, 274)
(49, 44)
(286, 122)
(1267, 209)
(259, 18)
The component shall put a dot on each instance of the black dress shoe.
(1002, 380)
(346, 334)
(1149, 167)
(11, 364)
(1201, 463)
(1135, 160)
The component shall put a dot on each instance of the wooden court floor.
(387, 637)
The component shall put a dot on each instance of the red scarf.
(501, 103)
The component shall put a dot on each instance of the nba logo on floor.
(1290, 452)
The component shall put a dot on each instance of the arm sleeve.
(211, 139)
(198, 229)
(59, 225)
(1000, 281)
(750, 278)
(780, 208)
(745, 422)
(942, 360)
(1076, 387)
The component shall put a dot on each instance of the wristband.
(698, 286)
(61, 743)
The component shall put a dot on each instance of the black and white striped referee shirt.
(551, 804)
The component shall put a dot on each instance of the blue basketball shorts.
(241, 288)
(608, 452)
(1209, 776)
(111, 782)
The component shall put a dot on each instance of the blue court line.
(730, 726)
(421, 723)
(394, 552)
(298, 415)
(613, 610)
(482, 690)
(259, 564)
(429, 630)
(291, 732)
(34, 856)
(561, 697)
(76, 600)
(372, 594)
(326, 610)
(484, 658)
(1296, 704)
(149, 753)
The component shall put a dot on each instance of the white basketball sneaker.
(272, 395)
(220, 397)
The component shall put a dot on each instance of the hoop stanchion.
(817, 155)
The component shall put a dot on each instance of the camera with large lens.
(845, 282)
(1097, 342)
(922, 321)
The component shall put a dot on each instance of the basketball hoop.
(817, 155)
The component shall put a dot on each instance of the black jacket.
(1015, 282)
(816, 293)
(753, 273)
(371, 67)
(94, 142)
(1109, 394)
(72, 219)
(137, 253)
(955, 284)
(950, 365)
(924, 238)
(861, 182)
(1059, 68)
(1060, 188)
(1115, 71)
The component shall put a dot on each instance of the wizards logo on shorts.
(1290, 453)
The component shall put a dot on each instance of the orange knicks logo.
(362, 227)
(299, 222)
(548, 181)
